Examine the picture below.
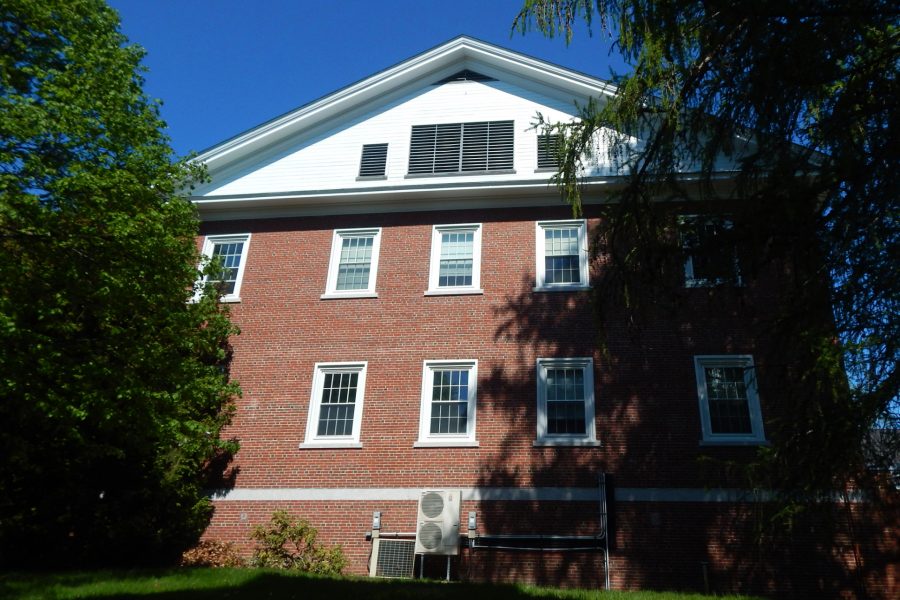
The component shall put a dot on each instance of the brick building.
(415, 310)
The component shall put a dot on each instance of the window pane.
(229, 256)
(710, 250)
(561, 256)
(565, 401)
(450, 402)
(355, 263)
(338, 404)
(729, 410)
(456, 259)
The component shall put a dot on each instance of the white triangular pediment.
(317, 148)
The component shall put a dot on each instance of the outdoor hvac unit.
(437, 525)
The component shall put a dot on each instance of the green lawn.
(257, 584)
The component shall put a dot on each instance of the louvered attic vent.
(548, 151)
(374, 159)
(461, 147)
(465, 75)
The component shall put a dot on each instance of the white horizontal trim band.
(570, 494)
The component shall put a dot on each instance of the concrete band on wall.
(555, 494)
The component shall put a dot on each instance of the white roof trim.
(455, 51)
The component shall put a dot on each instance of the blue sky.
(224, 66)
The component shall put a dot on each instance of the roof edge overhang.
(463, 196)
(457, 50)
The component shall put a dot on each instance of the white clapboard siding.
(330, 160)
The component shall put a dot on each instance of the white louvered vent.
(437, 529)
(461, 147)
(374, 159)
(548, 151)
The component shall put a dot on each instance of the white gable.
(330, 160)
(311, 156)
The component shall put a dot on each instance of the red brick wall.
(647, 412)
(646, 403)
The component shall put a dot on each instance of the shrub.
(212, 553)
(286, 544)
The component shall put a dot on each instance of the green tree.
(801, 97)
(113, 382)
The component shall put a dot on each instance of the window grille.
(374, 160)
(562, 262)
(565, 401)
(461, 147)
(728, 405)
(449, 402)
(355, 263)
(338, 404)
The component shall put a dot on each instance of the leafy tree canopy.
(801, 97)
(113, 383)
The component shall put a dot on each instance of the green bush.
(212, 553)
(286, 544)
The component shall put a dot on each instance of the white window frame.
(434, 289)
(312, 439)
(541, 284)
(428, 439)
(209, 245)
(331, 290)
(689, 279)
(745, 361)
(589, 437)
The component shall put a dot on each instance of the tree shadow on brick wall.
(648, 423)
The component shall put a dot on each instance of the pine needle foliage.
(800, 99)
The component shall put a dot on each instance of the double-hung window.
(729, 404)
(354, 263)
(447, 416)
(562, 258)
(230, 251)
(710, 255)
(336, 405)
(565, 388)
(455, 260)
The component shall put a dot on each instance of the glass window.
(710, 254)
(455, 260)
(565, 402)
(230, 251)
(336, 404)
(448, 403)
(562, 259)
(729, 405)
(354, 263)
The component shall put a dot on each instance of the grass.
(255, 584)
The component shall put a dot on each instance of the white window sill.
(453, 292)
(326, 445)
(333, 296)
(230, 299)
(446, 444)
(561, 288)
(551, 442)
(734, 442)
